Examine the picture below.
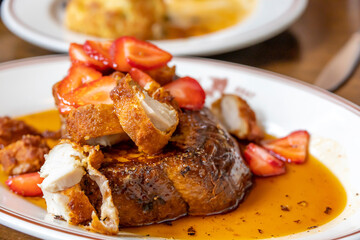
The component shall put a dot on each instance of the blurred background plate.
(40, 22)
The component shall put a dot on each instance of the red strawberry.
(187, 92)
(261, 162)
(78, 75)
(99, 51)
(78, 56)
(292, 148)
(95, 92)
(127, 52)
(26, 184)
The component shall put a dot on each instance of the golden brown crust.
(163, 75)
(79, 206)
(249, 130)
(12, 130)
(115, 18)
(24, 156)
(91, 121)
(134, 120)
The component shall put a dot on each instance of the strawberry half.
(99, 51)
(187, 92)
(95, 92)
(261, 162)
(26, 184)
(78, 56)
(292, 148)
(127, 52)
(78, 75)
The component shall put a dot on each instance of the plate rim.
(256, 35)
(352, 107)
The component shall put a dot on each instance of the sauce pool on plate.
(307, 196)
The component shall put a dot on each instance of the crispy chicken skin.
(63, 171)
(24, 156)
(148, 122)
(12, 130)
(114, 18)
(94, 121)
(163, 75)
(237, 117)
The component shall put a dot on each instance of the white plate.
(40, 22)
(282, 105)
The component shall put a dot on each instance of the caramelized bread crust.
(200, 172)
(91, 121)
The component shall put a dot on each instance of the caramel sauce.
(188, 18)
(307, 196)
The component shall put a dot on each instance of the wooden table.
(300, 52)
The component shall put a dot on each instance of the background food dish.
(336, 146)
(43, 26)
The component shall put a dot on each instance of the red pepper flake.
(260, 231)
(191, 231)
(297, 221)
(328, 210)
(284, 208)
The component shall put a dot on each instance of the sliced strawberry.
(261, 162)
(78, 56)
(95, 92)
(292, 148)
(78, 75)
(26, 184)
(140, 77)
(127, 52)
(187, 92)
(98, 51)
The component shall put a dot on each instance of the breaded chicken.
(114, 18)
(12, 130)
(95, 124)
(163, 75)
(24, 156)
(237, 117)
(148, 122)
(65, 167)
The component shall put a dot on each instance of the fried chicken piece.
(12, 130)
(95, 124)
(163, 75)
(64, 168)
(148, 122)
(24, 156)
(237, 117)
(114, 18)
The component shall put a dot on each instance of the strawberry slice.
(140, 77)
(127, 52)
(187, 92)
(95, 92)
(292, 148)
(78, 56)
(98, 51)
(78, 75)
(261, 162)
(26, 184)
